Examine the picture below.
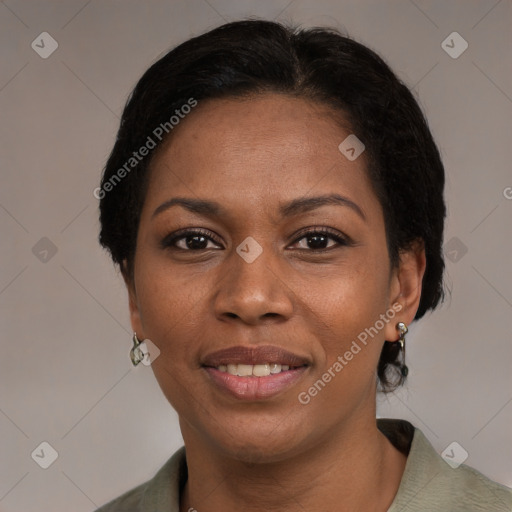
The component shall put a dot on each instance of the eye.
(198, 239)
(189, 240)
(317, 239)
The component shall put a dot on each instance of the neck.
(334, 474)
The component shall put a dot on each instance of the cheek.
(168, 303)
(351, 305)
(168, 307)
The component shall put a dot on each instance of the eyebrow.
(295, 207)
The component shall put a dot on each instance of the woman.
(274, 200)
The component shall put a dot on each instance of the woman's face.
(257, 282)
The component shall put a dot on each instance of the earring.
(136, 354)
(402, 328)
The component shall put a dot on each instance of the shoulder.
(130, 501)
(159, 493)
(430, 483)
(478, 491)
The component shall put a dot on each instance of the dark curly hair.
(248, 57)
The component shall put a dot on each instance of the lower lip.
(255, 388)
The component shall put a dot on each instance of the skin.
(277, 454)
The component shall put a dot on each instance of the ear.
(135, 319)
(406, 286)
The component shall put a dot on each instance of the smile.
(254, 373)
(254, 370)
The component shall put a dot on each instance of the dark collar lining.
(399, 432)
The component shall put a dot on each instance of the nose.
(254, 292)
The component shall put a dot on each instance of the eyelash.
(170, 240)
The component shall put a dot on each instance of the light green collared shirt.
(428, 484)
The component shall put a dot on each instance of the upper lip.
(253, 355)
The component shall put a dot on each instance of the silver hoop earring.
(136, 354)
(402, 329)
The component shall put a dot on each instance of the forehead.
(272, 124)
(257, 151)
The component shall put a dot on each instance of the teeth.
(256, 370)
(275, 368)
(244, 370)
(261, 370)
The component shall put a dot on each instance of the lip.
(251, 388)
(255, 388)
(254, 355)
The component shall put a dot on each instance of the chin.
(250, 433)
(269, 444)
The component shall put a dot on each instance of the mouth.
(254, 373)
(255, 370)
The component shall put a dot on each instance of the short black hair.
(249, 57)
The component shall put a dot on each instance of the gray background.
(66, 377)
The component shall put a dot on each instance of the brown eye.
(318, 240)
(190, 240)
